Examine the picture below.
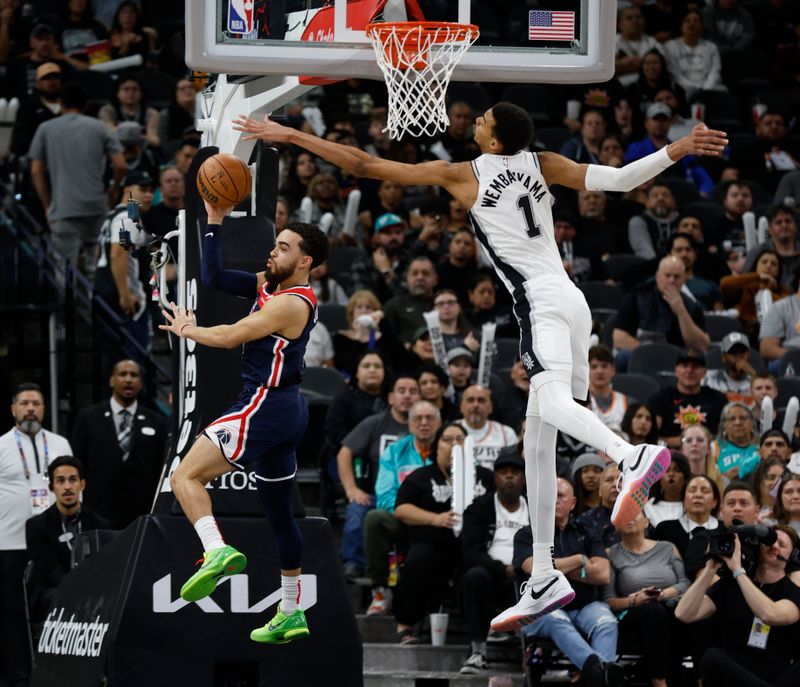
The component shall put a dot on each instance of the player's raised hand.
(705, 141)
(177, 320)
(267, 130)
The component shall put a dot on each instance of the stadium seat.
(708, 212)
(322, 384)
(714, 359)
(533, 98)
(618, 265)
(158, 87)
(600, 294)
(552, 138)
(718, 104)
(341, 259)
(333, 316)
(683, 190)
(638, 386)
(507, 352)
(789, 364)
(740, 64)
(474, 94)
(655, 359)
(719, 326)
(787, 388)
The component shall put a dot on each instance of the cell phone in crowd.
(652, 591)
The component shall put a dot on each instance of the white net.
(417, 60)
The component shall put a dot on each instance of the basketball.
(224, 180)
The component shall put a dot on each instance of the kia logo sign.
(239, 598)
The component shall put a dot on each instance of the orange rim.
(412, 33)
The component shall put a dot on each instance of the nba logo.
(240, 16)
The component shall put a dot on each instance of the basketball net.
(417, 60)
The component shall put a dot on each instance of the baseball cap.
(139, 177)
(388, 219)
(421, 333)
(41, 30)
(659, 110)
(734, 339)
(129, 132)
(459, 352)
(688, 355)
(585, 460)
(509, 455)
(46, 69)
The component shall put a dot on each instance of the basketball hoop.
(417, 59)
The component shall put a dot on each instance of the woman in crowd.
(360, 336)
(653, 77)
(456, 330)
(323, 190)
(765, 481)
(666, 495)
(174, 120)
(645, 576)
(484, 307)
(736, 447)
(756, 617)
(302, 168)
(76, 28)
(585, 147)
(740, 290)
(326, 288)
(625, 121)
(612, 152)
(281, 214)
(639, 424)
(129, 106)
(432, 385)
(701, 499)
(696, 446)
(586, 471)
(693, 61)
(128, 35)
(787, 502)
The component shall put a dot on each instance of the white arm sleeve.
(602, 178)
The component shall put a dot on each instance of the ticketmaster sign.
(71, 637)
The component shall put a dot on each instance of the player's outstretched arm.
(451, 176)
(212, 272)
(560, 170)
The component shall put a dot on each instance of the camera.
(722, 544)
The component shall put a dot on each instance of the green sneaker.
(282, 629)
(216, 564)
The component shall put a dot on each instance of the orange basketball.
(224, 180)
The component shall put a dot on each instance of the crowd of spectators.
(676, 245)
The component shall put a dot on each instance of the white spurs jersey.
(513, 220)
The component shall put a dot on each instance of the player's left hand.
(177, 319)
(705, 141)
(266, 131)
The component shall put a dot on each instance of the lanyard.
(35, 453)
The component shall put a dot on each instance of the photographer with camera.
(758, 612)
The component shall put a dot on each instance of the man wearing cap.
(735, 378)
(43, 105)
(404, 312)
(658, 119)
(649, 231)
(20, 77)
(380, 271)
(585, 629)
(460, 364)
(489, 436)
(688, 402)
(137, 154)
(598, 519)
(487, 544)
(72, 150)
(117, 279)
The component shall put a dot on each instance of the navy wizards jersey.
(275, 361)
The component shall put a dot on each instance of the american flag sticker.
(544, 25)
(240, 16)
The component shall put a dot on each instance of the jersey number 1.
(525, 204)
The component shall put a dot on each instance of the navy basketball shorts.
(262, 430)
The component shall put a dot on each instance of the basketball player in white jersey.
(507, 191)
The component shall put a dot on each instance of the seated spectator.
(586, 471)
(326, 288)
(360, 336)
(740, 290)
(626, 121)
(319, 350)
(645, 576)
(456, 330)
(302, 168)
(692, 60)
(653, 78)
(585, 146)
(432, 239)
(487, 541)
(457, 269)
(700, 497)
(657, 122)
(130, 106)
(460, 366)
(43, 105)
(639, 424)
(129, 36)
(489, 436)
(76, 28)
(649, 231)
(735, 379)
(787, 502)
(728, 234)
(782, 240)
(178, 116)
(598, 519)
(597, 232)
(585, 629)
(514, 402)
(688, 402)
(632, 44)
(323, 190)
(580, 262)
(424, 506)
(736, 448)
(185, 154)
(779, 331)
(382, 530)
(679, 126)
(765, 480)
(432, 386)
(160, 220)
(754, 652)
(138, 154)
(657, 311)
(389, 200)
(772, 156)
(49, 535)
(607, 404)
(484, 307)
(20, 76)
(711, 262)
(775, 444)
(357, 463)
(696, 446)
(666, 495)
(455, 143)
(404, 312)
(705, 291)
(788, 188)
(728, 24)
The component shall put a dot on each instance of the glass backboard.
(540, 41)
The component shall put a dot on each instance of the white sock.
(542, 560)
(290, 593)
(207, 530)
(539, 448)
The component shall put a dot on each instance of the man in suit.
(49, 536)
(121, 444)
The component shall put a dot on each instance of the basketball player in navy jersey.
(507, 191)
(265, 425)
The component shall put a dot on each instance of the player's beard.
(275, 275)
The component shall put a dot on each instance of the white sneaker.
(475, 665)
(537, 598)
(381, 601)
(640, 471)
